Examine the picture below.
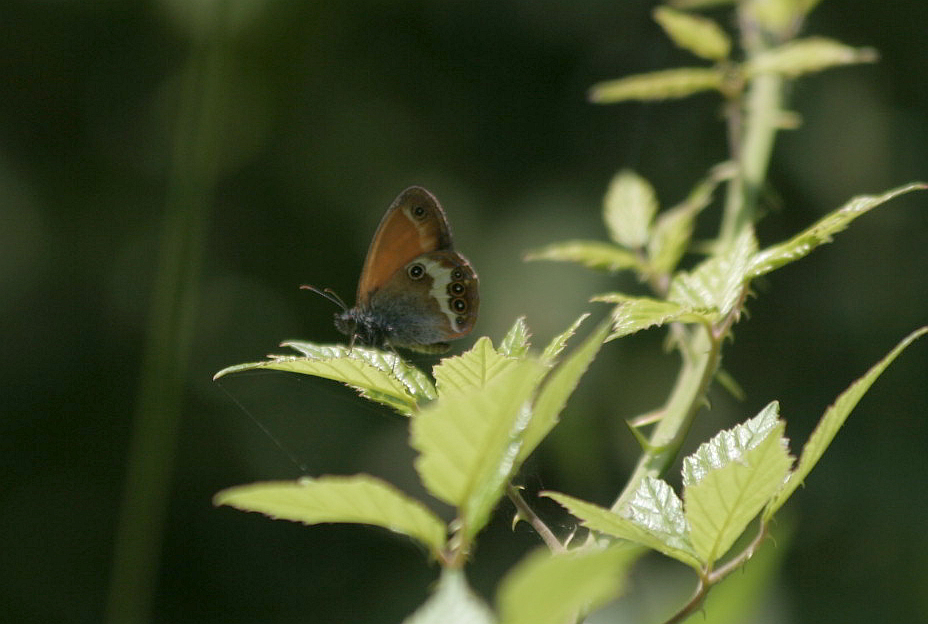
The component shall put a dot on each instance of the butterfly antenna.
(328, 293)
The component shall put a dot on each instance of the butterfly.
(416, 292)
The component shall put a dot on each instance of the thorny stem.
(709, 578)
(529, 515)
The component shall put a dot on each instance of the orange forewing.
(413, 225)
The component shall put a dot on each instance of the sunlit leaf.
(468, 440)
(515, 343)
(557, 388)
(597, 255)
(803, 56)
(729, 479)
(634, 314)
(821, 232)
(628, 209)
(699, 35)
(832, 420)
(417, 382)
(658, 85)
(452, 602)
(559, 342)
(358, 499)
(472, 369)
(653, 518)
(673, 228)
(376, 375)
(717, 282)
(547, 588)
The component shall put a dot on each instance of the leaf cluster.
(476, 419)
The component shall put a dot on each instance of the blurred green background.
(171, 171)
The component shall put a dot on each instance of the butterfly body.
(415, 291)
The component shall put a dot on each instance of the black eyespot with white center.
(415, 271)
(459, 306)
(457, 274)
(419, 212)
(456, 289)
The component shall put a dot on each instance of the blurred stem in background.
(191, 181)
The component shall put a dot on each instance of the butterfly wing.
(431, 299)
(414, 225)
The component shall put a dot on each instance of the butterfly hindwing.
(433, 298)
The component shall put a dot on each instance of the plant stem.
(685, 400)
(708, 579)
(136, 552)
(529, 515)
(752, 130)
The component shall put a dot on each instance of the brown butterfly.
(415, 291)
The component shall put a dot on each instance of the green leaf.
(628, 209)
(591, 254)
(832, 420)
(821, 232)
(452, 602)
(557, 389)
(553, 589)
(358, 499)
(515, 344)
(729, 479)
(559, 343)
(803, 56)
(653, 518)
(634, 314)
(468, 441)
(417, 383)
(699, 35)
(376, 375)
(673, 228)
(470, 370)
(659, 85)
(718, 282)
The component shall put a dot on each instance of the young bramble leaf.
(453, 601)
(468, 440)
(376, 375)
(592, 254)
(729, 479)
(694, 33)
(831, 422)
(515, 343)
(673, 228)
(658, 85)
(628, 209)
(559, 342)
(634, 314)
(653, 518)
(557, 389)
(717, 282)
(417, 383)
(358, 499)
(470, 370)
(804, 56)
(799, 246)
(547, 588)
